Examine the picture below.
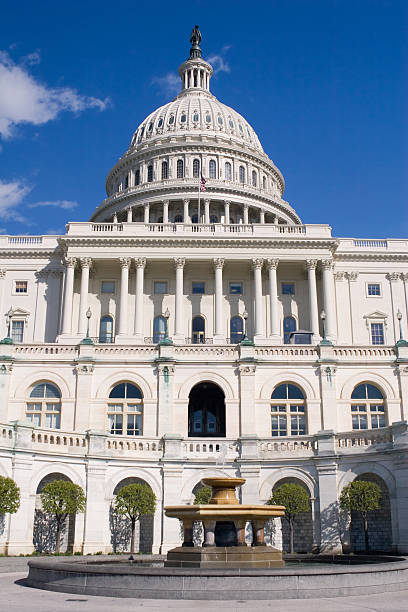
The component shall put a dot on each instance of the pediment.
(377, 314)
(19, 312)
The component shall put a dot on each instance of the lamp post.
(87, 339)
(166, 340)
(324, 341)
(8, 339)
(401, 341)
(245, 340)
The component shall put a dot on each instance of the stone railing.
(221, 450)
(134, 446)
(364, 439)
(347, 245)
(285, 352)
(364, 353)
(41, 350)
(28, 242)
(293, 446)
(47, 439)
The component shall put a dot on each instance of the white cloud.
(218, 62)
(55, 231)
(66, 204)
(170, 83)
(11, 196)
(23, 99)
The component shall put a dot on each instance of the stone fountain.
(224, 520)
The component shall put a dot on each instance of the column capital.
(86, 262)
(3, 272)
(245, 205)
(340, 275)
(140, 262)
(227, 202)
(352, 276)
(207, 201)
(186, 202)
(327, 264)
(404, 276)
(311, 264)
(70, 262)
(125, 262)
(272, 264)
(392, 276)
(179, 262)
(218, 262)
(257, 263)
(166, 202)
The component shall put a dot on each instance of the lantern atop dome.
(195, 73)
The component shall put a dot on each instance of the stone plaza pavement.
(16, 597)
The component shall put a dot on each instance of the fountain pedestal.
(224, 520)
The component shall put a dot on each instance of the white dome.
(193, 112)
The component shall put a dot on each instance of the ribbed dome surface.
(195, 112)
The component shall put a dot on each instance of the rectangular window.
(235, 288)
(374, 289)
(108, 287)
(279, 425)
(21, 287)
(198, 287)
(288, 289)
(377, 333)
(134, 425)
(160, 287)
(17, 331)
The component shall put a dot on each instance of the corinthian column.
(124, 295)
(140, 263)
(329, 299)
(68, 295)
(219, 332)
(272, 265)
(259, 322)
(179, 318)
(311, 265)
(86, 263)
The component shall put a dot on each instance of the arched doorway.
(379, 522)
(206, 411)
(303, 530)
(45, 526)
(120, 525)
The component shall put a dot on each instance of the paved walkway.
(15, 597)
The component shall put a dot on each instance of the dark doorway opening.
(206, 411)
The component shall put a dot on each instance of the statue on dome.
(195, 40)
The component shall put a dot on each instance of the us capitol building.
(195, 325)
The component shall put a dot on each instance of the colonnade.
(271, 264)
(203, 211)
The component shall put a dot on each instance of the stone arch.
(206, 411)
(130, 472)
(39, 377)
(211, 377)
(368, 377)
(125, 376)
(379, 522)
(193, 482)
(45, 526)
(120, 525)
(287, 376)
(51, 468)
(305, 478)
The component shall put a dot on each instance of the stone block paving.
(16, 597)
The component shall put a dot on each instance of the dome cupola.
(195, 73)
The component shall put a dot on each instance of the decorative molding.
(3, 272)
(352, 276)
(179, 262)
(218, 263)
(246, 369)
(140, 262)
(6, 368)
(340, 275)
(404, 276)
(393, 276)
(327, 264)
(311, 264)
(86, 262)
(84, 369)
(165, 369)
(70, 262)
(272, 264)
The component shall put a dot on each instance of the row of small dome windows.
(183, 119)
(212, 173)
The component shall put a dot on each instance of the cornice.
(339, 257)
(28, 253)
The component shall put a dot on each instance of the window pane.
(17, 330)
(31, 406)
(196, 167)
(55, 407)
(133, 392)
(134, 425)
(51, 391)
(280, 392)
(359, 392)
(288, 289)
(228, 172)
(52, 420)
(38, 391)
(374, 289)
(294, 392)
(115, 424)
(198, 287)
(297, 425)
(373, 392)
(108, 287)
(235, 288)
(115, 407)
(118, 391)
(106, 329)
(198, 324)
(21, 286)
(377, 333)
(35, 419)
(160, 287)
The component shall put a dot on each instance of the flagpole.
(199, 190)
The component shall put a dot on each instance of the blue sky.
(323, 82)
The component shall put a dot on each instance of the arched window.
(288, 411)
(137, 177)
(180, 168)
(194, 219)
(125, 410)
(178, 219)
(236, 330)
(228, 171)
(254, 178)
(106, 329)
(149, 174)
(289, 325)
(367, 407)
(196, 168)
(159, 329)
(214, 219)
(165, 170)
(241, 174)
(198, 330)
(264, 182)
(212, 167)
(126, 182)
(43, 409)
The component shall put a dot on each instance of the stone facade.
(171, 289)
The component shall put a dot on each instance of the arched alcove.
(45, 526)
(379, 521)
(303, 530)
(206, 411)
(120, 525)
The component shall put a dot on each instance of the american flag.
(202, 183)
